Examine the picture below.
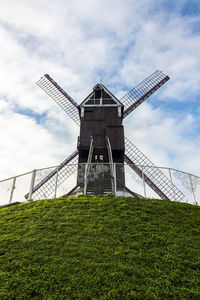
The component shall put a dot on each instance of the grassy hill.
(100, 248)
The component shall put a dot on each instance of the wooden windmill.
(102, 148)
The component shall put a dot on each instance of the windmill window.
(98, 158)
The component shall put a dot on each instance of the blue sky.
(79, 42)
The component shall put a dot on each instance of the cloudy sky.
(77, 43)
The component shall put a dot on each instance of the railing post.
(56, 183)
(85, 180)
(114, 175)
(170, 175)
(193, 190)
(145, 195)
(110, 158)
(31, 185)
(88, 165)
(111, 166)
(12, 190)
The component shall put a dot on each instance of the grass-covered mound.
(100, 248)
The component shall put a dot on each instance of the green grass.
(100, 248)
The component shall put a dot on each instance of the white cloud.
(162, 138)
(76, 42)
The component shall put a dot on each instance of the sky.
(79, 43)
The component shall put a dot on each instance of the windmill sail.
(142, 91)
(60, 97)
(54, 179)
(98, 122)
(152, 175)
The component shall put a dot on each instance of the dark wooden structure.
(101, 129)
(101, 116)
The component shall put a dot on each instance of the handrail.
(189, 182)
(144, 166)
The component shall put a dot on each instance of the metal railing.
(15, 188)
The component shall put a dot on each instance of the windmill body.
(102, 148)
(101, 139)
(101, 116)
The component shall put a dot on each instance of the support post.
(115, 176)
(56, 183)
(111, 164)
(145, 194)
(170, 175)
(192, 187)
(85, 180)
(12, 190)
(88, 165)
(31, 185)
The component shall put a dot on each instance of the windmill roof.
(106, 90)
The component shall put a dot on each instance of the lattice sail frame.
(153, 176)
(47, 84)
(142, 91)
(54, 179)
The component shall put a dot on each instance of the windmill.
(102, 148)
